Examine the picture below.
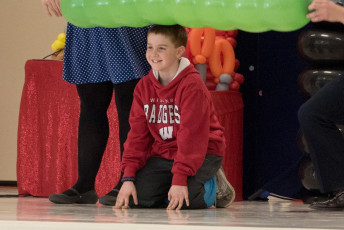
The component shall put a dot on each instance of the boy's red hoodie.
(176, 122)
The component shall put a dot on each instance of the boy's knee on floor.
(203, 196)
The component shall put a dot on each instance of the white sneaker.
(225, 193)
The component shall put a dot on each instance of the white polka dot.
(105, 54)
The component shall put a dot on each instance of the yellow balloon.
(61, 37)
(57, 45)
(53, 47)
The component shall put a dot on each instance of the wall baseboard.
(8, 183)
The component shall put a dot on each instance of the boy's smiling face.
(162, 54)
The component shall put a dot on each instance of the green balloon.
(246, 15)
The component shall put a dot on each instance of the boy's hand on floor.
(128, 189)
(176, 196)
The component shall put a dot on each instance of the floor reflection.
(247, 214)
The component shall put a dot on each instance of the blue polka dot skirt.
(105, 54)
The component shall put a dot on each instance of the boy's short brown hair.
(176, 33)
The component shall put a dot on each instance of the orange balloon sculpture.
(216, 65)
(199, 49)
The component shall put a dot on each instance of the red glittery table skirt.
(47, 134)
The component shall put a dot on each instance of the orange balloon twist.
(201, 50)
(222, 46)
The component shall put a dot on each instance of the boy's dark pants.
(153, 182)
(318, 118)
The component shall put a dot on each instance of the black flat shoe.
(89, 197)
(336, 203)
(71, 196)
(110, 198)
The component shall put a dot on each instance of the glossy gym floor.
(39, 213)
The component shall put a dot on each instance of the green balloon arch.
(246, 15)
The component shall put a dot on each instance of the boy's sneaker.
(225, 193)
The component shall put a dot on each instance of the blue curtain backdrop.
(271, 65)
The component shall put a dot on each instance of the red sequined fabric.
(229, 108)
(48, 128)
(47, 134)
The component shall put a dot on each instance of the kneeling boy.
(175, 146)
